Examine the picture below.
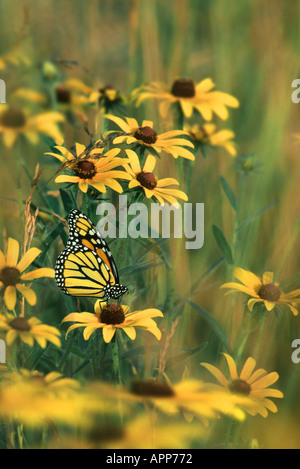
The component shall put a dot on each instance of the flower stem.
(116, 361)
(66, 354)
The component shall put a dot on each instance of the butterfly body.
(86, 267)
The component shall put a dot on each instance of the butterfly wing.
(86, 267)
(84, 233)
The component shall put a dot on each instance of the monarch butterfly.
(86, 267)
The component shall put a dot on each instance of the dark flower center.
(105, 88)
(200, 134)
(13, 117)
(39, 379)
(10, 276)
(239, 386)
(146, 134)
(85, 169)
(20, 324)
(112, 314)
(183, 88)
(269, 292)
(151, 388)
(63, 94)
(106, 433)
(146, 180)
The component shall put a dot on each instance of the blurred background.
(250, 49)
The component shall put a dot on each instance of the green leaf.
(68, 200)
(229, 193)
(222, 244)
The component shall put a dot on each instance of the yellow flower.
(193, 397)
(12, 273)
(92, 167)
(34, 403)
(252, 384)
(76, 93)
(140, 434)
(15, 121)
(206, 134)
(111, 317)
(28, 330)
(190, 97)
(73, 94)
(13, 57)
(52, 381)
(146, 136)
(263, 290)
(145, 179)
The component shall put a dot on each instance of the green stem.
(260, 334)
(116, 361)
(66, 354)
(84, 204)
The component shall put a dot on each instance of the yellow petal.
(11, 337)
(252, 302)
(88, 331)
(269, 305)
(2, 260)
(248, 368)
(28, 258)
(149, 164)
(232, 367)
(240, 287)
(28, 294)
(266, 381)
(134, 161)
(217, 374)
(38, 273)
(293, 309)
(249, 279)
(10, 297)
(66, 178)
(117, 120)
(108, 333)
(80, 149)
(130, 331)
(12, 252)
(187, 107)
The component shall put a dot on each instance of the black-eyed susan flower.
(206, 135)
(74, 94)
(111, 317)
(12, 273)
(15, 121)
(34, 403)
(28, 330)
(146, 136)
(110, 99)
(263, 290)
(92, 167)
(255, 385)
(190, 97)
(15, 56)
(52, 381)
(74, 91)
(146, 180)
(172, 435)
(190, 396)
